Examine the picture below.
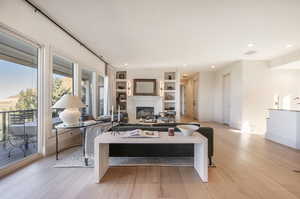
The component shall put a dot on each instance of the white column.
(44, 98)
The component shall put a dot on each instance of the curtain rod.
(64, 30)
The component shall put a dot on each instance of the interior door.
(226, 99)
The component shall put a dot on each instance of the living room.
(148, 99)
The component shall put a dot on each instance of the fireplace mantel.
(143, 101)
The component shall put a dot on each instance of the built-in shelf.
(121, 90)
(121, 80)
(168, 101)
(170, 81)
(170, 91)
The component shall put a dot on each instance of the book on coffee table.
(138, 133)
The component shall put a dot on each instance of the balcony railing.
(18, 135)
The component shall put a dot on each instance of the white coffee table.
(200, 150)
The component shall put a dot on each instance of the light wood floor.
(248, 167)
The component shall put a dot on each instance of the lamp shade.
(69, 101)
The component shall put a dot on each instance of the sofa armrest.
(209, 134)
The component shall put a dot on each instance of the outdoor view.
(18, 99)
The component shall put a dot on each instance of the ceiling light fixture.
(213, 66)
(250, 45)
(288, 46)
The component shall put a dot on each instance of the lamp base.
(70, 116)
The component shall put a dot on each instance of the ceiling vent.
(251, 52)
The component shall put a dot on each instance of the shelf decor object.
(70, 116)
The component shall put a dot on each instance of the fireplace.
(144, 112)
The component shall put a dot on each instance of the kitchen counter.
(283, 126)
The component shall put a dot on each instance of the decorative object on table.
(70, 116)
(138, 133)
(171, 131)
(188, 130)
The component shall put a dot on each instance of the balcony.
(18, 135)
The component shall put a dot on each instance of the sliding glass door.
(18, 99)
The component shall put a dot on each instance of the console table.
(82, 126)
(101, 152)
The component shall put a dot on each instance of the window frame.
(54, 52)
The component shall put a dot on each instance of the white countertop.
(290, 110)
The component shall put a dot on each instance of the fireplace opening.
(144, 112)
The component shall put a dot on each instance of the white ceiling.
(170, 33)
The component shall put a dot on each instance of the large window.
(87, 91)
(18, 99)
(62, 81)
(100, 95)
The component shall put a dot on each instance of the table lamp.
(70, 116)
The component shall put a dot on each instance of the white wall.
(286, 83)
(19, 17)
(235, 71)
(257, 96)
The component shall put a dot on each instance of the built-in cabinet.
(167, 95)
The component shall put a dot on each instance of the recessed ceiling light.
(250, 45)
(213, 66)
(289, 46)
